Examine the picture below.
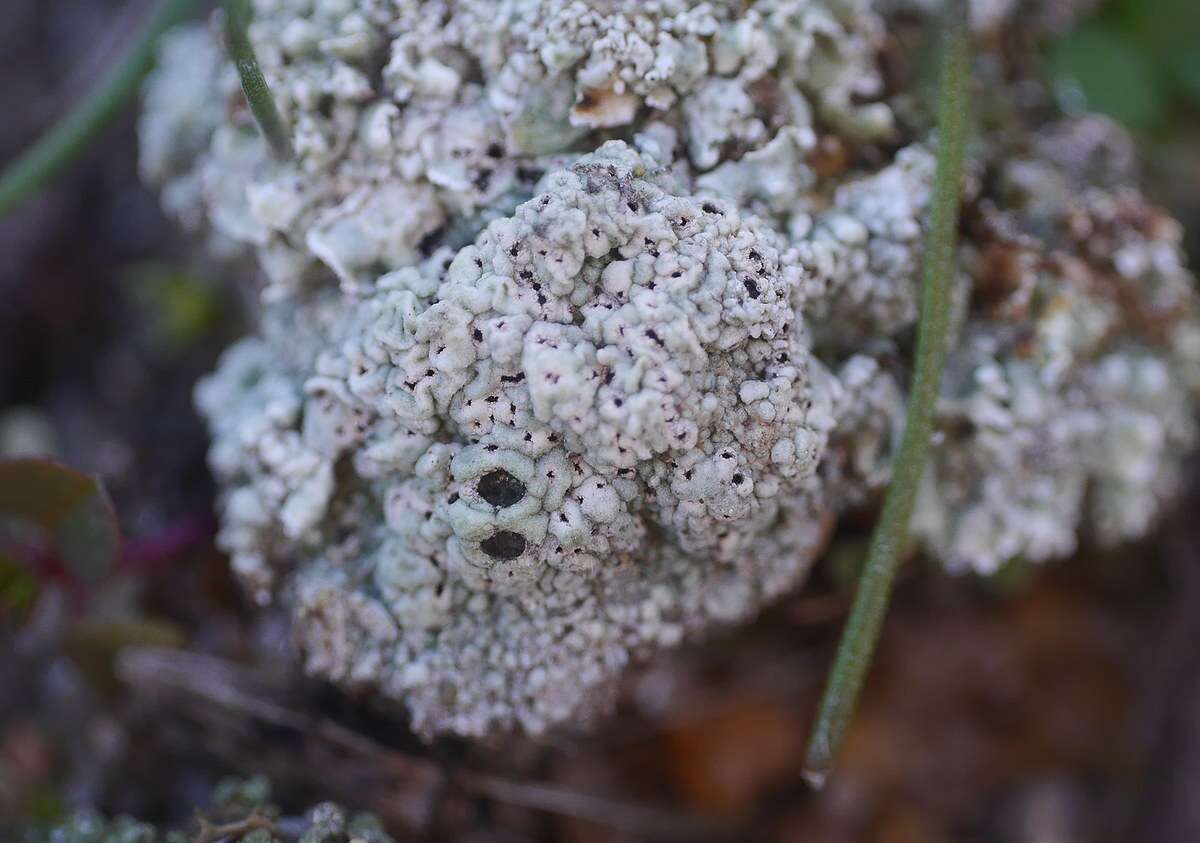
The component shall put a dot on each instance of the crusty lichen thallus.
(522, 406)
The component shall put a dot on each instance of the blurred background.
(1060, 704)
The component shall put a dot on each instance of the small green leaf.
(1114, 74)
(1165, 27)
(68, 512)
(178, 307)
(18, 588)
(1185, 67)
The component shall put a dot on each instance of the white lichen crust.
(1072, 393)
(408, 115)
(583, 321)
(593, 431)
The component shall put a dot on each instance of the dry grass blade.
(72, 135)
(857, 647)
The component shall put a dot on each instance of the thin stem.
(254, 84)
(861, 634)
(212, 833)
(72, 135)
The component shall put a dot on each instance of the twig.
(71, 136)
(212, 833)
(254, 84)
(247, 695)
(861, 634)
(631, 818)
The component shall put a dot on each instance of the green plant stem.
(857, 646)
(254, 84)
(72, 135)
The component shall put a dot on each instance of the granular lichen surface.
(582, 323)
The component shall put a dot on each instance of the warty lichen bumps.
(590, 433)
(410, 116)
(582, 322)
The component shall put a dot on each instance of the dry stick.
(218, 684)
(857, 646)
(72, 135)
(211, 833)
(629, 817)
(254, 84)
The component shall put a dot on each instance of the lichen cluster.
(504, 464)
(582, 322)
(240, 811)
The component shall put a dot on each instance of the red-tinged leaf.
(18, 588)
(65, 512)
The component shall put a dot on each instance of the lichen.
(407, 115)
(583, 322)
(1072, 390)
(576, 435)
(239, 810)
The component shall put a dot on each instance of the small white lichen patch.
(1071, 392)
